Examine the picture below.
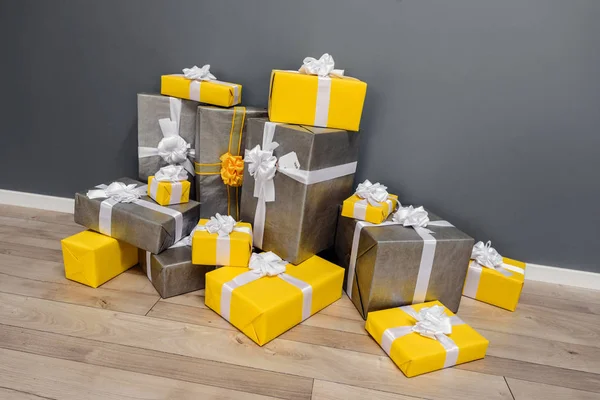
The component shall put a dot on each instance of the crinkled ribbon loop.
(432, 322)
(410, 216)
(221, 224)
(171, 173)
(322, 67)
(267, 264)
(232, 169)
(486, 255)
(199, 74)
(119, 192)
(373, 193)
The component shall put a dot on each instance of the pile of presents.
(281, 247)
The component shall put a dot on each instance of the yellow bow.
(232, 169)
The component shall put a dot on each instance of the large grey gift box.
(301, 221)
(140, 226)
(172, 272)
(151, 108)
(218, 131)
(388, 261)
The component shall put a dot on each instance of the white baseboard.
(535, 272)
(39, 201)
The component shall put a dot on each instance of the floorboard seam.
(509, 389)
(25, 392)
(153, 305)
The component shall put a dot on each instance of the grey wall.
(486, 111)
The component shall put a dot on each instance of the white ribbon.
(262, 166)
(431, 322)
(222, 226)
(261, 265)
(485, 256)
(408, 217)
(172, 148)
(323, 68)
(199, 74)
(171, 173)
(371, 194)
(118, 192)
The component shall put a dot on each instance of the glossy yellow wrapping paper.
(374, 214)
(205, 246)
(498, 289)
(163, 193)
(293, 99)
(93, 259)
(266, 308)
(211, 92)
(415, 354)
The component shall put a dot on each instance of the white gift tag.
(289, 161)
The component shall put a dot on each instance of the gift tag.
(289, 161)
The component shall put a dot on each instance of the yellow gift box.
(416, 354)
(265, 307)
(331, 102)
(168, 193)
(214, 92)
(355, 207)
(233, 250)
(500, 287)
(92, 258)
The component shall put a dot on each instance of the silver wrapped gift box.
(300, 218)
(393, 265)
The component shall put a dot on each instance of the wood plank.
(323, 390)
(17, 230)
(533, 321)
(561, 292)
(523, 390)
(52, 244)
(117, 300)
(156, 363)
(37, 215)
(38, 253)
(68, 380)
(535, 373)
(10, 394)
(209, 343)
(67, 230)
(132, 280)
(566, 305)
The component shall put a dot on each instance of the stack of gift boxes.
(191, 224)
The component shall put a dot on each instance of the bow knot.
(432, 322)
(199, 74)
(486, 255)
(410, 216)
(221, 224)
(374, 193)
(267, 264)
(172, 147)
(322, 67)
(118, 191)
(262, 165)
(232, 169)
(171, 173)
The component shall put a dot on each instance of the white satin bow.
(432, 322)
(262, 165)
(118, 191)
(322, 67)
(221, 224)
(171, 173)
(410, 216)
(172, 147)
(486, 256)
(199, 74)
(374, 193)
(267, 264)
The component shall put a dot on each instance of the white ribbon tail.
(105, 216)
(144, 152)
(320, 175)
(323, 99)
(426, 264)
(513, 268)
(307, 293)
(223, 250)
(227, 291)
(149, 265)
(472, 280)
(258, 227)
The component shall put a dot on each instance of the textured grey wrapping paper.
(388, 263)
(172, 272)
(213, 132)
(151, 108)
(137, 225)
(301, 221)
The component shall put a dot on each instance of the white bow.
(171, 173)
(432, 322)
(118, 191)
(410, 216)
(262, 165)
(199, 74)
(267, 264)
(221, 224)
(322, 67)
(486, 256)
(374, 193)
(172, 147)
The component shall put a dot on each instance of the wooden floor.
(63, 340)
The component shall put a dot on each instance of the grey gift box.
(218, 131)
(151, 108)
(135, 224)
(301, 221)
(172, 272)
(388, 261)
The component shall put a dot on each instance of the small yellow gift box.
(272, 296)
(425, 337)
(370, 203)
(316, 97)
(199, 85)
(499, 286)
(92, 258)
(168, 193)
(222, 241)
